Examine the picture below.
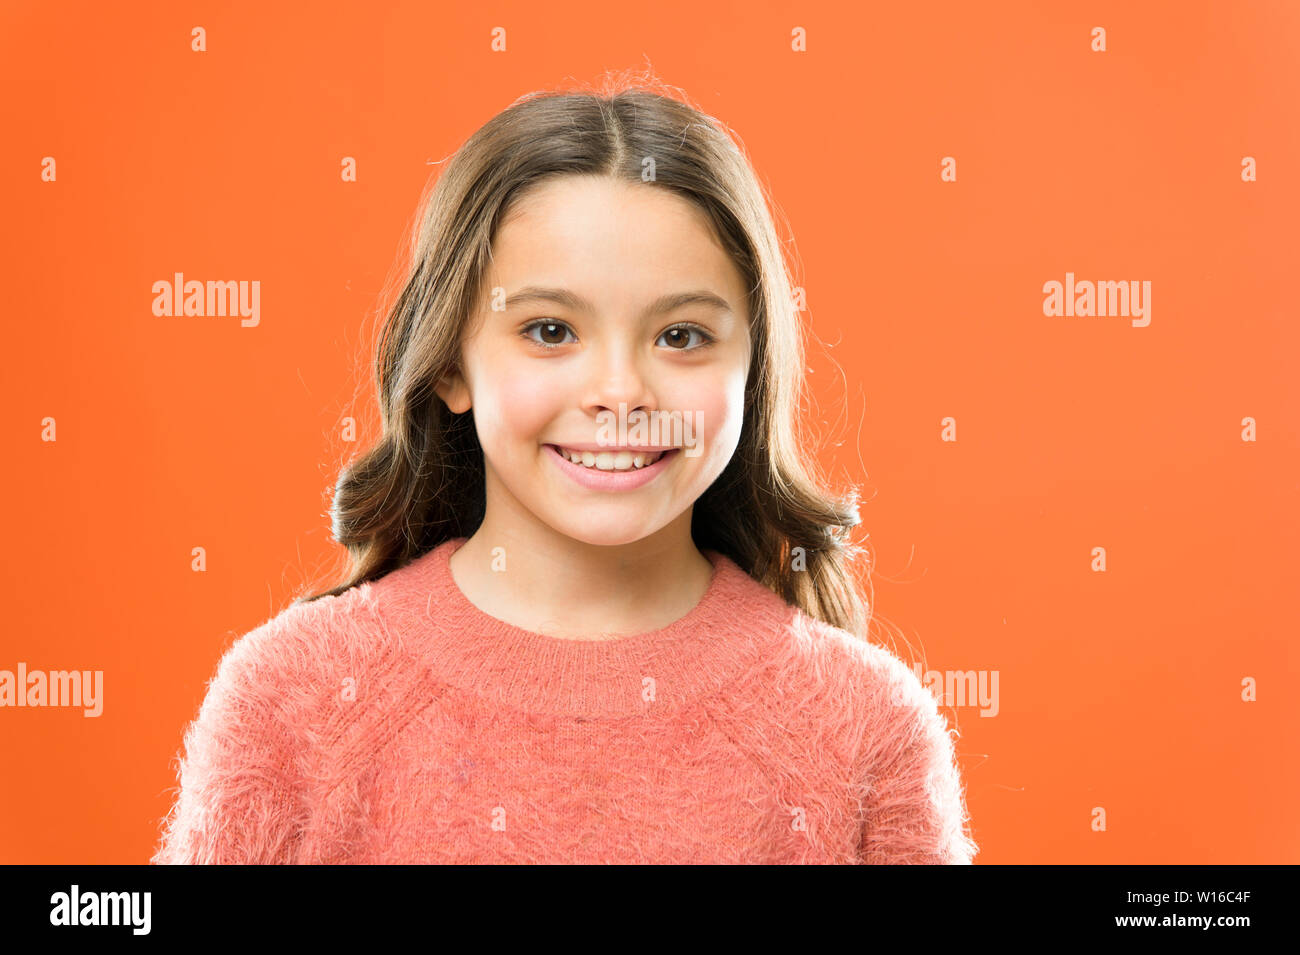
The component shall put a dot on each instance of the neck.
(540, 580)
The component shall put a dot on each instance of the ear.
(454, 392)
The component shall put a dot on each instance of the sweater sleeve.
(239, 799)
(914, 804)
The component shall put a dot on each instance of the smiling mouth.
(611, 460)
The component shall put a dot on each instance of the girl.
(599, 609)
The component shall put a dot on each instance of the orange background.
(1119, 689)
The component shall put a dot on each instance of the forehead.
(615, 239)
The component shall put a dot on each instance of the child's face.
(620, 247)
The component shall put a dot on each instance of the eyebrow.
(663, 304)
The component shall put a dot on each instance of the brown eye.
(679, 337)
(548, 331)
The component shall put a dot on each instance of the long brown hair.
(422, 482)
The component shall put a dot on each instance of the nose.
(617, 379)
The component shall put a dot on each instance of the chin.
(605, 536)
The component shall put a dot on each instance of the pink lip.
(598, 480)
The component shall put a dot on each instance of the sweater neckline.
(731, 629)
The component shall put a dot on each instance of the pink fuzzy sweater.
(398, 723)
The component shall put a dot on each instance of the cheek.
(513, 404)
(718, 411)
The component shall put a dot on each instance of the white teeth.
(611, 460)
